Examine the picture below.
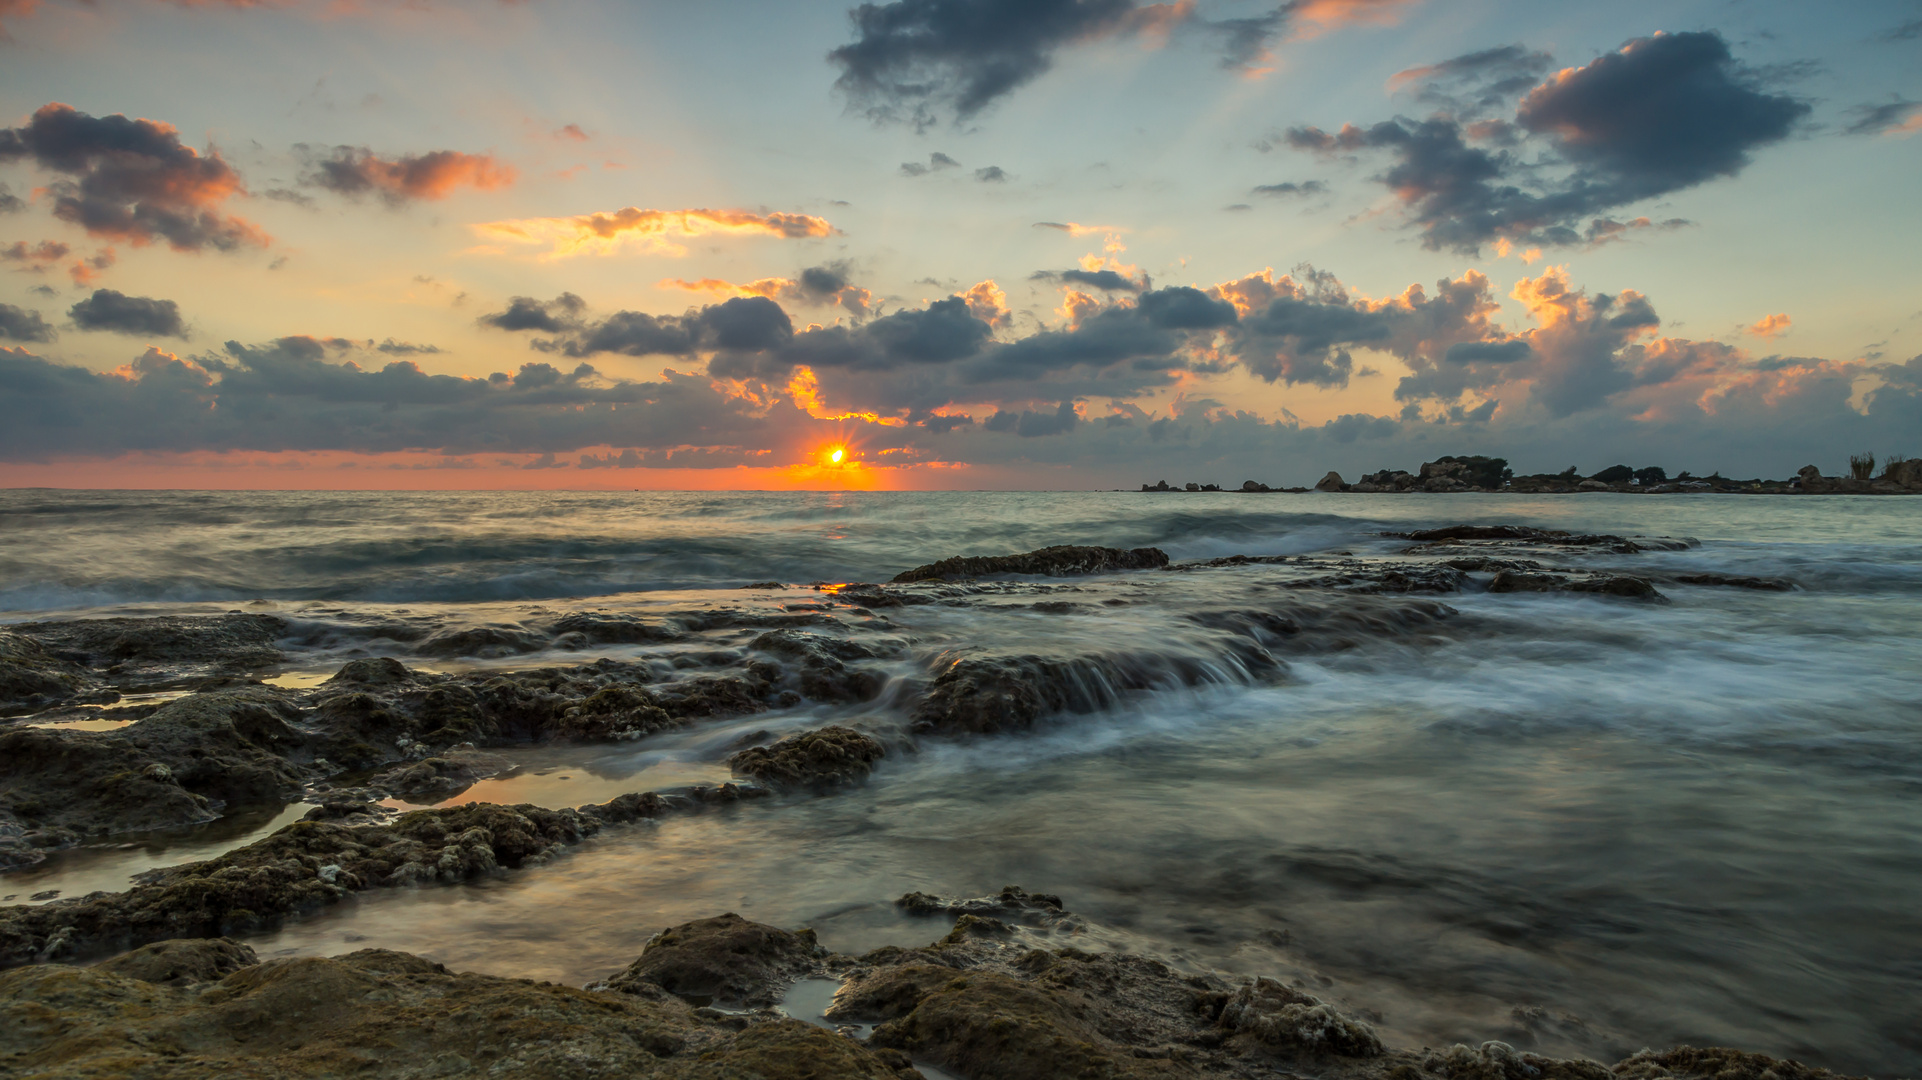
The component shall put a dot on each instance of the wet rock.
(1718, 1062)
(32, 679)
(1634, 588)
(822, 673)
(1526, 535)
(386, 1014)
(166, 651)
(305, 866)
(1049, 561)
(1012, 902)
(182, 962)
(596, 628)
(1736, 581)
(828, 757)
(372, 671)
(443, 777)
(485, 642)
(726, 958)
(1283, 1018)
(1331, 482)
(1500, 1061)
(178, 766)
(987, 695)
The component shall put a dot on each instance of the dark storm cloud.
(911, 58)
(1185, 308)
(1306, 187)
(133, 180)
(1488, 352)
(135, 316)
(19, 324)
(1876, 119)
(1661, 114)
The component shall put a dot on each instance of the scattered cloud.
(19, 324)
(136, 316)
(1898, 117)
(912, 59)
(1304, 188)
(828, 284)
(937, 162)
(1473, 83)
(36, 258)
(649, 231)
(993, 174)
(1659, 115)
(9, 202)
(1770, 326)
(355, 171)
(132, 180)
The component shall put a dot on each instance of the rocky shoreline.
(1459, 475)
(1009, 993)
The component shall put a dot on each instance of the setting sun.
(836, 454)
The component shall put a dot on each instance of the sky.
(932, 244)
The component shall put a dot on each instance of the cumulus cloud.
(993, 174)
(9, 202)
(911, 58)
(649, 231)
(355, 171)
(548, 316)
(287, 395)
(828, 284)
(136, 316)
(132, 180)
(19, 324)
(35, 258)
(1659, 115)
(1034, 425)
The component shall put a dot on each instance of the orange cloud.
(652, 231)
(36, 258)
(1771, 325)
(768, 287)
(1315, 17)
(987, 302)
(351, 171)
(87, 271)
(1076, 229)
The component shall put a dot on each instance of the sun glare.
(835, 455)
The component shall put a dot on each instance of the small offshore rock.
(1048, 562)
(827, 757)
(182, 962)
(726, 958)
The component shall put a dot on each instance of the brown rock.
(726, 958)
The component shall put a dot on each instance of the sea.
(1578, 824)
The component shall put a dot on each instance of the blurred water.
(1572, 823)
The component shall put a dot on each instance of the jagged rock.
(1280, 1017)
(726, 958)
(1049, 561)
(823, 675)
(828, 757)
(1736, 581)
(32, 679)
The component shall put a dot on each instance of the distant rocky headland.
(1449, 474)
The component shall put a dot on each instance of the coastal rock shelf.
(806, 694)
(1011, 992)
(1450, 474)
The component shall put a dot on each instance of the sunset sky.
(972, 243)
